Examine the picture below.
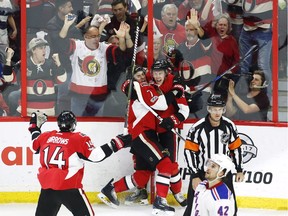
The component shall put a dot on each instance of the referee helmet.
(216, 100)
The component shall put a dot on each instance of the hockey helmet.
(160, 65)
(223, 161)
(66, 121)
(216, 100)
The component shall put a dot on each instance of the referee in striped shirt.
(214, 134)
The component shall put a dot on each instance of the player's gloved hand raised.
(179, 86)
(37, 120)
(178, 80)
(178, 90)
(121, 141)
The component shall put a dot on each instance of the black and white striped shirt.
(204, 140)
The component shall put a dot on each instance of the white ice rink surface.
(103, 210)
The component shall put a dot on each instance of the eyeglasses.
(92, 36)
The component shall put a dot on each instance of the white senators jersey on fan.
(215, 201)
(89, 69)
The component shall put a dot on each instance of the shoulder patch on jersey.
(153, 99)
(220, 192)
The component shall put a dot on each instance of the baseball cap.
(36, 42)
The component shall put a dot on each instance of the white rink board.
(265, 177)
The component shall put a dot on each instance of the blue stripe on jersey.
(220, 192)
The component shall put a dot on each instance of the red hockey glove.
(169, 122)
(121, 141)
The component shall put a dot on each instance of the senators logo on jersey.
(89, 66)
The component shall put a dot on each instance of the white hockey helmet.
(223, 161)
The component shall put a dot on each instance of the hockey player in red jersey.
(173, 117)
(149, 153)
(62, 157)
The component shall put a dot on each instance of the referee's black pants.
(190, 194)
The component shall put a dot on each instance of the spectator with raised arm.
(53, 27)
(195, 69)
(42, 76)
(89, 59)
(224, 52)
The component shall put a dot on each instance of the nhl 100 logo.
(250, 151)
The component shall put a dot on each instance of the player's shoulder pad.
(221, 192)
(82, 134)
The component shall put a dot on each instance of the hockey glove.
(178, 90)
(121, 141)
(37, 120)
(169, 122)
(178, 80)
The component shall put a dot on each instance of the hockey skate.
(160, 207)
(180, 199)
(139, 196)
(109, 196)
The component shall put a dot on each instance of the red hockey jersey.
(62, 157)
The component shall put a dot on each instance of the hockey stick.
(133, 64)
(252, 50)
(141, 100)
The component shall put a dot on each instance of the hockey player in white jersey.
(212, 196)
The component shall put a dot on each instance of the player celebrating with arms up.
(62, 157)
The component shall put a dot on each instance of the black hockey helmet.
(67, 121)
(216, 100)
(160, 65)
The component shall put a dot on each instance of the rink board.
(265, 156)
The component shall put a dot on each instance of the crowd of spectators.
(202, 39)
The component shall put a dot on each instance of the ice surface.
(103, 210)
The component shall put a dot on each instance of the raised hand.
(121, 32)
(193, 19)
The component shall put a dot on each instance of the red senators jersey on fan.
(140, 118)
(62, 156)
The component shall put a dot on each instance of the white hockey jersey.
(215, 201)
(89, 69)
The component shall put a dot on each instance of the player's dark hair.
(59, 3)
(115, 2)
